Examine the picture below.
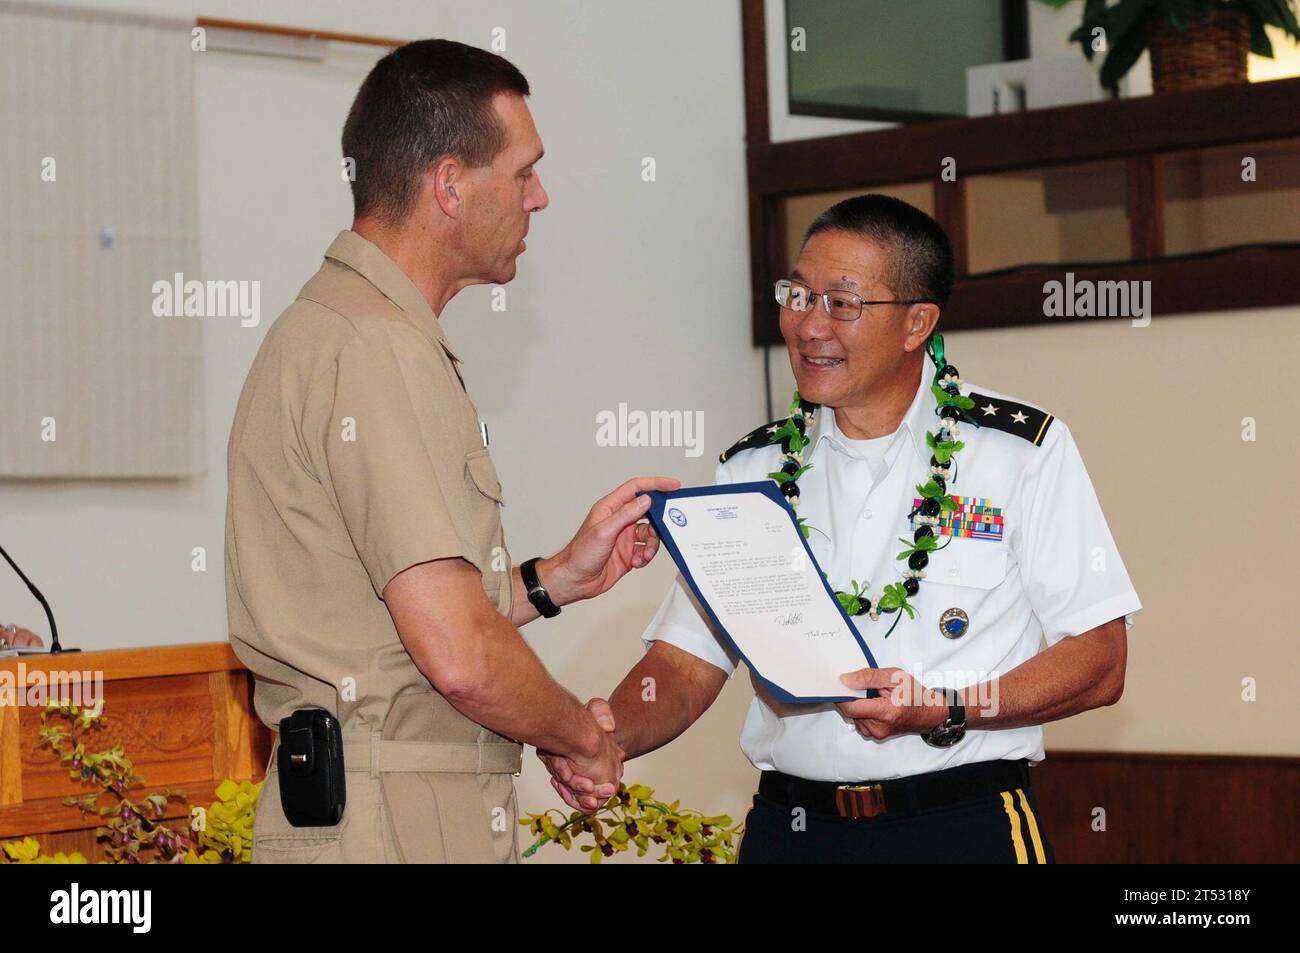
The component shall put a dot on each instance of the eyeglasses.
(840, 305)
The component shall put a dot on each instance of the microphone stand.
(55, 647)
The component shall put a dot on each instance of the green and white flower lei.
(791, 434)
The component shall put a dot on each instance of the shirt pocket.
(482, 519)
(970, 564)
(483, 474)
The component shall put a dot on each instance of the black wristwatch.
(537, 594)
(953, 729)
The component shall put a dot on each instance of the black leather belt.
(919, 792)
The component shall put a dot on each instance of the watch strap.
(956, 709)
(537, 594)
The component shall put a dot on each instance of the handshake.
(585, 781)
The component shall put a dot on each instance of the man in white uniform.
(1004, 546)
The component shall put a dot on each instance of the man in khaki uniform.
(366, 569)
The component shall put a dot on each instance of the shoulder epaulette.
(758, 437)
(998, 413)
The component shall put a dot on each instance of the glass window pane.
(887, 59)
(1073, 213)
(1210, 203)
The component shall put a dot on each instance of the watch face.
(946, 735)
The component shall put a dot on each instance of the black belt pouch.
(310, 761)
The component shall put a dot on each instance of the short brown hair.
(422, 102)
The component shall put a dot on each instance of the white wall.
(629, 292)
(592, 318)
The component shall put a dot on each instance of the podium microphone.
(55, 647)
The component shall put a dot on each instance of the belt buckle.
(860, 800)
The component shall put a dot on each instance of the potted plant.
(1193, 43)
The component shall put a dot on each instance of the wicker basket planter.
(1211, 52)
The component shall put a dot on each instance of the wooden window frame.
(1139, 131)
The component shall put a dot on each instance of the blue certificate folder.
(659, 501)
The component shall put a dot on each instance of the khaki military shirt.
(355, 453)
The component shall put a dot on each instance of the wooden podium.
(184, 714)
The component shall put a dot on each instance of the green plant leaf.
(788, 432)
(943, 451)
(1125, 49)
(926, 543)
(1260, 44)
(1093, 12)
(1286, 18)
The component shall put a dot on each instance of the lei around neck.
(952, 409)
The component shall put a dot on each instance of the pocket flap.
(484, 474)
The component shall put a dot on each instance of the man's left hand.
(611, 541)
(904, 706)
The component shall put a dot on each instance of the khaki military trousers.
(407, 802)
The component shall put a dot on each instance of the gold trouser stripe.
(1016, 840)
(1033, 827)
(1038, 438)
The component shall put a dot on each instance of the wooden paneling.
(754, 53)
(1170, 808)
(1031, 139)
(1146, 206)
(766, 214)
(768, 251)
(1211, 281)
(11, 782)
(165, 724)
(183, 713)
(950, 213)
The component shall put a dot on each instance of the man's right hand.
(586, 783)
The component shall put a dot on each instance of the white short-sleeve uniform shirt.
(1048, 569)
